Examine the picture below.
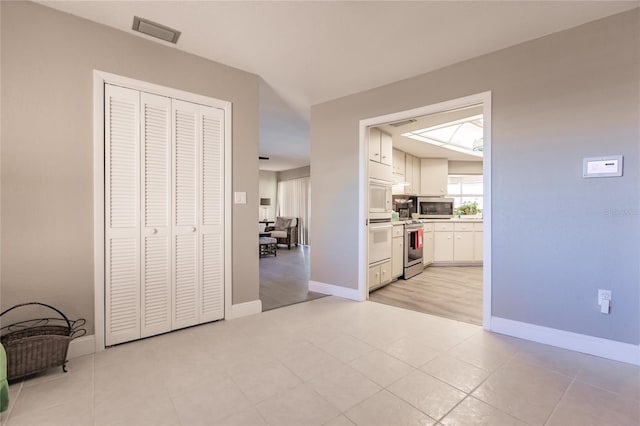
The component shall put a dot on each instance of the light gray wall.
(298, 173)
(268, 188)
(47, 166)
(557, 237)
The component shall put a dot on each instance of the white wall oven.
(379, 241)
(435, 208)
(380, 202)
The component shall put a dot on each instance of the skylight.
(464, 135)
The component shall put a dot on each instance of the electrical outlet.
(604, 295)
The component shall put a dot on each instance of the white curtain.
(294, 199)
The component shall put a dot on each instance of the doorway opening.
(284, 264)
(427, 246)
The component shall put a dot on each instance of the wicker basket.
(36, 345)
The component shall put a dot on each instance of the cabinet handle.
(154, 231)
(193, 229)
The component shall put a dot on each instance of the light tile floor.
(334, 362)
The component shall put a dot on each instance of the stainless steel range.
(412, 249)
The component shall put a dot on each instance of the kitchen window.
(465, 189)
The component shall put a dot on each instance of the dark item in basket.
(38, 344)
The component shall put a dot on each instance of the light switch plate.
(240, 197)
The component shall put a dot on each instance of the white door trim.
(100, 78)
(483, 98)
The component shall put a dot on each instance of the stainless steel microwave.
(435, 208)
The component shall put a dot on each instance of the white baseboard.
(605, 348)
(335, 290)
(81, 346)
(244, 309)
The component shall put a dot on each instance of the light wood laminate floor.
(453, 292)
(284, 279)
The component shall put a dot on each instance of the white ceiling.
(425, 150)
(311, 52)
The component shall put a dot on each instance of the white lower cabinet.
(385, 273)
(443, 246)
(477, 246)
(453, 242)
(397, 256)
(379, 275)
(463, 246)
(427, 243)
(374, 277)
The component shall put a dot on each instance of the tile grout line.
(469, 395)
(555, 407)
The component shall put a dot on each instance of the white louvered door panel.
(122, 215)
(212, 214)
(185, 234)
(155, 214)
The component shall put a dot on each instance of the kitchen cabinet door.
(416, 176)
(397, 257)
(408, 174)
(428, 247)
(398, 162)
(477, 246)
(463, 246)
(385, 272)
(434, 176)
(374, 277)
(374, 145)
(386, 149)
(443, 247)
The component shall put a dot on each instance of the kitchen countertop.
(455, 219)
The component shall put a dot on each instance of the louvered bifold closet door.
(122, 214)
(212, 217)
(156, 214)
(186, 198)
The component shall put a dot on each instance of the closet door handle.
(194, 229)
(154, 231)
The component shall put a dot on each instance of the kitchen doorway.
(434, 179)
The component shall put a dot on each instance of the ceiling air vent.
(403, 122)
(156, 30)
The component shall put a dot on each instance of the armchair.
(285, 230)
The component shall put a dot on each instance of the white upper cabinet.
(415, 178)
(380, 147)
(411, 175)
(398, 162)
(434, 176)
(386, 149)
(374, 144)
